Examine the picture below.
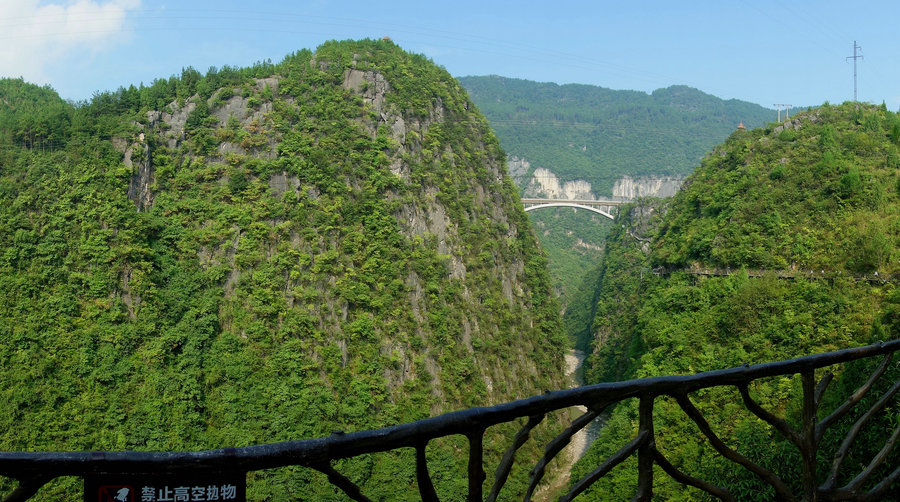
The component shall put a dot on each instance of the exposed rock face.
(518, 169)
(544, 183)
(142, 173)
(178, 118)
(235, 106)
(789, 124)
(370, 84)
(649, 186)
(169, 125)
(282, 182)
(431, 219)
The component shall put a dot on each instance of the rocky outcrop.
(544, 183)
(136, 156)
(519, 170)
(789, 124)
(370, 84)
(647, 186)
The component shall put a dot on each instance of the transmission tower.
(787, 110)
(854, 57)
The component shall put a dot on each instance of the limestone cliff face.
(543, 182)
(519, 170)
(647, 186)
(441, 223)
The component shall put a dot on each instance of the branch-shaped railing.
(34, 469)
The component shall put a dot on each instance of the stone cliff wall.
(647, 186)
(542, 182)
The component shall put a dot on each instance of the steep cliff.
(264, 254)
(544, 183)
(646, 186)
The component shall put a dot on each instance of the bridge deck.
(593, 203)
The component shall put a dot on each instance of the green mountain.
(264, 254)
(781, 244)
(585, 132)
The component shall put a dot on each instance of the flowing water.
(583, 438)
(574, 360)
(580, 440)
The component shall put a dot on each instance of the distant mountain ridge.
(591, 133)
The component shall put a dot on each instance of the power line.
(854, 57)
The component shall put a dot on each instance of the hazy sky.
(763, 51)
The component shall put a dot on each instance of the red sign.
(115, 493)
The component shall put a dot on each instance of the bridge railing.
(602, 207)
(34, 469)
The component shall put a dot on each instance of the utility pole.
(854, 57)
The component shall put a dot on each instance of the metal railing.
(34, 469)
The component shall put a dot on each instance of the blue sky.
(761, 51)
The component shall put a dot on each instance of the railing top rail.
(315, 451)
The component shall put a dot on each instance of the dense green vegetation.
(571, 239)
(793, 223)
(598, 135)
(264, 254)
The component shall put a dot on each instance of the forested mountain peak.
(17, 93)
(31, 113)
(817, 191)
(781, 244)
(261, 254)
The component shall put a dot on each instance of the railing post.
(476, 465)
(423, 479)
(27, 488)
(645, 452)
(809, 444)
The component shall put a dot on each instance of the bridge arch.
(570, 204)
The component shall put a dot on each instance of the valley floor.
(576, 448)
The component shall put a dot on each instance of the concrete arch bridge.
(605, 207)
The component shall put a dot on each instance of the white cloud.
(34, 35)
